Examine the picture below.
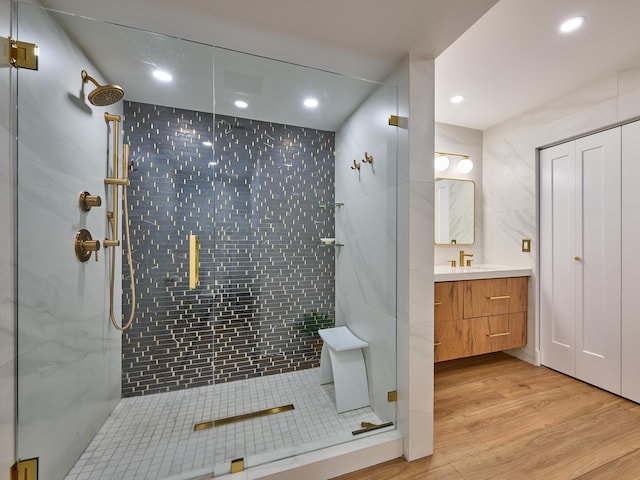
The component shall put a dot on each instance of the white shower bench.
(342, 362)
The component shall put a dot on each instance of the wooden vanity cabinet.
(473, 317)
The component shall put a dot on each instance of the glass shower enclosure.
(251, 227)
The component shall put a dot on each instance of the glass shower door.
(74, 368)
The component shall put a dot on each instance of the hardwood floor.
(498, 418)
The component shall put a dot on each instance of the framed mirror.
(455, 212)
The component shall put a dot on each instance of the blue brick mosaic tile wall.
(254, 206)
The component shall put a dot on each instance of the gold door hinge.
(237, 465)
(397, 121)
(392, 396)
(23, 54)
(25, 470)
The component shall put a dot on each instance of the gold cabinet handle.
(499, 297)
(577, 259)
(437, 344)
(491, 335)
(435, 304)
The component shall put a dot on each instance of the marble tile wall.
(510, 170)
(261, 268)
(7, 260)
(415, 227)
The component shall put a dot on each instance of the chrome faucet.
(462, 255)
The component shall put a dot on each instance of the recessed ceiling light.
(162, 75)
(457, 98)
(241, 104)
(311, 102)
(572, 24)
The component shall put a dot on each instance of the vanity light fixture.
(572, 24)
(457, 98)
(310, 102)
(465, 165)
(441, 163)
(162, 75)
(241, 104)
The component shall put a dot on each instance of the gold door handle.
(491, 335)
(437, 344)
(194, 260)
(577, 259)
(435, 304)
(499, 297)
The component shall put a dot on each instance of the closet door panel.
(557, 252)
(598, 268)
(631, 265)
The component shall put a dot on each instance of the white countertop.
(445, 273)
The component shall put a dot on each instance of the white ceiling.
(515, 59)
(505, 61)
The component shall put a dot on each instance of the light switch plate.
(526, 245)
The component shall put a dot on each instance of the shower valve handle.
(87, 201)
(84, 245)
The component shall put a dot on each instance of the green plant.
(313, 321)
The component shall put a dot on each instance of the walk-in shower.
(259, 187)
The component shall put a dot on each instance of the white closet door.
(598, 259)
(557, 272)
(631, 264)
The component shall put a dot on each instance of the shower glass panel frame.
(271, 182)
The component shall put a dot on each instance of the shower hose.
(113, 267)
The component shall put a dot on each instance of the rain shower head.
(102, 95)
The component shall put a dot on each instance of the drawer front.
(447, 301)
(453, 339)
(497, 296)
(499, 332)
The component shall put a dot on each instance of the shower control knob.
(87, 201)
(84, 245)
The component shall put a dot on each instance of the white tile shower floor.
(151, 437)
